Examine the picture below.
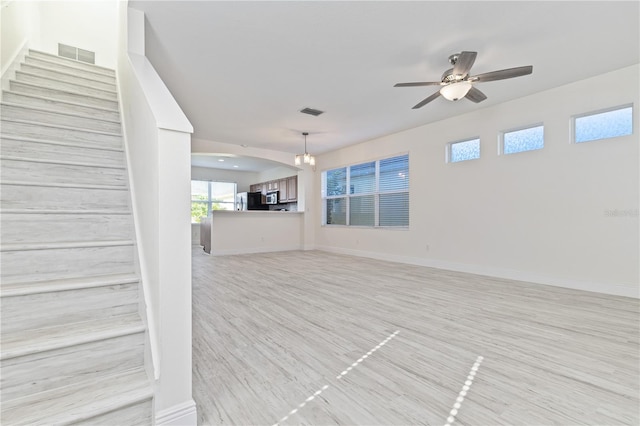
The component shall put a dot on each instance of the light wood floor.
(271, 330)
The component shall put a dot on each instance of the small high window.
(605, 124)
(463, 150)
(520, 140)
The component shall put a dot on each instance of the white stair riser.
(70, 70)
(25, 113)
(70, 62)
(46, 370)
(19, 87)
(45, 151)
(139, 414)
(35, 228)
(55, 198)
(70, 78)
(53, 264)
(21, 313)
(35, 131)
(62, 85)
(25, 171)
(52, 104)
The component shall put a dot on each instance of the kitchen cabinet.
(292, 188)
(283, 195)
(287, 188)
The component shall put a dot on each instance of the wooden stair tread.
(30, 74)
(79, 129)
(72, 63)
(66, 185)
(26, 83)
(22, 289)
(15, 344)
(66, 163)
(53, 111)
(60, 101)
(60, 143)
(63, 245)
(81, 401)
(67, 73)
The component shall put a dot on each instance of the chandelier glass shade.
(305, 158)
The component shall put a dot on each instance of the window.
(207, 196)
(610, 123)
(463, 150)
(527, 139)
(378, 194)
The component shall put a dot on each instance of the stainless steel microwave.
(271, 198)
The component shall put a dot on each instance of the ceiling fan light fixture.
(455, 91)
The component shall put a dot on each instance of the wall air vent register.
(76, 53)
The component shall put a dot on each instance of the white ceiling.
(241, 71)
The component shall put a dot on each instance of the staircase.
(72, 339)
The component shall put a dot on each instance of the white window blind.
(378, 194)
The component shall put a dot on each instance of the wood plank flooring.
(271, 330)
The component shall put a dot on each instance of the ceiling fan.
(457, 83)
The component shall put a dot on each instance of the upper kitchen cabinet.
(292, 188)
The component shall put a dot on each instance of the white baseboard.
(596, 287)
(252, 250)
(183, 414)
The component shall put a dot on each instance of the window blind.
(377, 196)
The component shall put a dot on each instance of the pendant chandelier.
(305, 158)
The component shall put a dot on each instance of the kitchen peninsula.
(255, 231)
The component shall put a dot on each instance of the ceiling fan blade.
(464, 63)
(475, 95)
(427, 100)
(503, 74)
(419, 83)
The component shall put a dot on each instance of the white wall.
(276, 173)
(242, 179)
(18, 23)
(89, 25)
(538, 216)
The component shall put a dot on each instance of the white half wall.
(255, 231)
(539, 216)
(157, 141)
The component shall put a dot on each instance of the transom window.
(524, 139)
(605, 124)
(463, 150)
(372, 194)
(208, 196)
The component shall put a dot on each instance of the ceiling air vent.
(311, 111)
(76, 53)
